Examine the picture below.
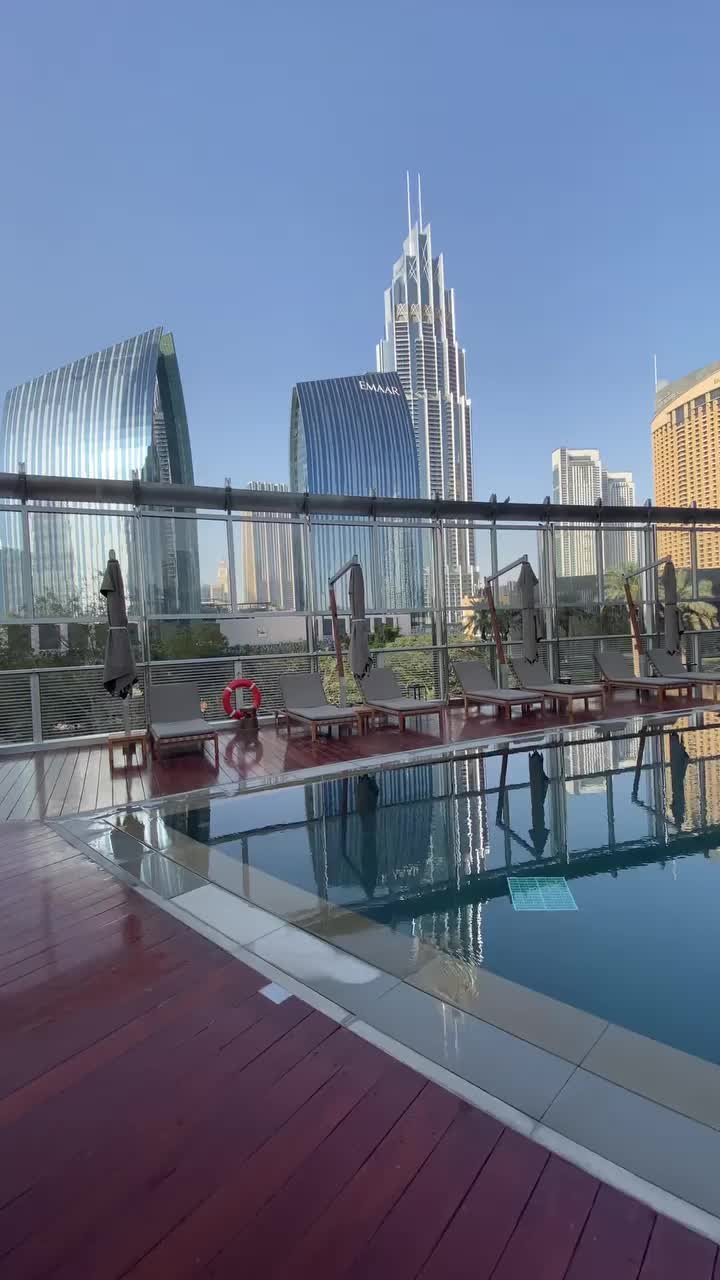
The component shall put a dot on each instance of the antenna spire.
(407, 179)
(420, 203)
(656, 377)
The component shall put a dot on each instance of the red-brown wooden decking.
(76, 780)
(161, 1118)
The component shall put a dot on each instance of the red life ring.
(239, 713)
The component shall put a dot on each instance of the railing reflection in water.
(213, 597)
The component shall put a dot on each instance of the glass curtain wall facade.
(686, 457)
(355, 436)
(420, 344)
(266, 575)
(111, 415)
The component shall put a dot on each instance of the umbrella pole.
(634, 620)
(338, 650)
(495, 624)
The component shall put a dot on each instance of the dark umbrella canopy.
(119, 674)
(673, 625)
(527, 583)
(359, 625)
(679, 761)
(538, 791)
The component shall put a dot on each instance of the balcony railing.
(223, 583)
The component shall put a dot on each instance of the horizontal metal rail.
(136, 493)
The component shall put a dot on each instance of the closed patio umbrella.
(679, 761)
(673, 625)
(119, 674)
(527, 583)
(359, 625)
(538, 790)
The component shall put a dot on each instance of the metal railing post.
(308, 574)
(230, 532)
(138, 534)
(27, 582)
(440, 636)
(35, 706)
(695, 590)
(650, 596)
(547, 584)
(494, 565)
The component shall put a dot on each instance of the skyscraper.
(107, 415)
(420, 345)
(580, 478)
(577, 481)
(266, 556)
(620, 546)
(686, 458)
(354, 436)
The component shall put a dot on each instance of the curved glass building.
(107, 415)
(355, 436)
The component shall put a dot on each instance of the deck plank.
(198, 1129)
(487, 1218)
(336, 1239)
(553, 1220)
(674, 1253)
(615, 1239)
(261, 1247)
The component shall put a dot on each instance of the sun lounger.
(478, 687)
(383, 691)
(305, 701)
(669, 665)
(617, 673)
(175, 719)
(534, 675)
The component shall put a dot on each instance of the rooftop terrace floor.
(160, 1116)
(67, 780)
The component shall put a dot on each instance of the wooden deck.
(70, 780)
(161, 1118)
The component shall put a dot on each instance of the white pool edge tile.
(253, 961)
(216, 901)
(657, 1199)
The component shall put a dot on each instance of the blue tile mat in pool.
(541, 893)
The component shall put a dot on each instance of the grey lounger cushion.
(381, 688)
(180, 729)
(172, 704)
(408, 706)
(534, 675)
(325, 712)
(476, 681)
(617, 670)
(304, 696)
(670, 665)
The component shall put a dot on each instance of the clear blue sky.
(235, 172)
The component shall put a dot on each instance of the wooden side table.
(129, 743)
(366, 717)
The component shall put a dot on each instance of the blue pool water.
(632, 821)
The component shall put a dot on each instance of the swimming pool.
(629, 819)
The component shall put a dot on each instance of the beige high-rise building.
(686, 458)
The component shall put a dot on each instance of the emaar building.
(355, 436)
(111, 415)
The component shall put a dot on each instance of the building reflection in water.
(422, 848)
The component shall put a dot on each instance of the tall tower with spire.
(421, 347)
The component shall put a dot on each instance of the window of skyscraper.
(699, 402)
(679, 415)
(715, 393)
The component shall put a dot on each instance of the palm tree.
(697, 615)
(478, 622)
(615, 582)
